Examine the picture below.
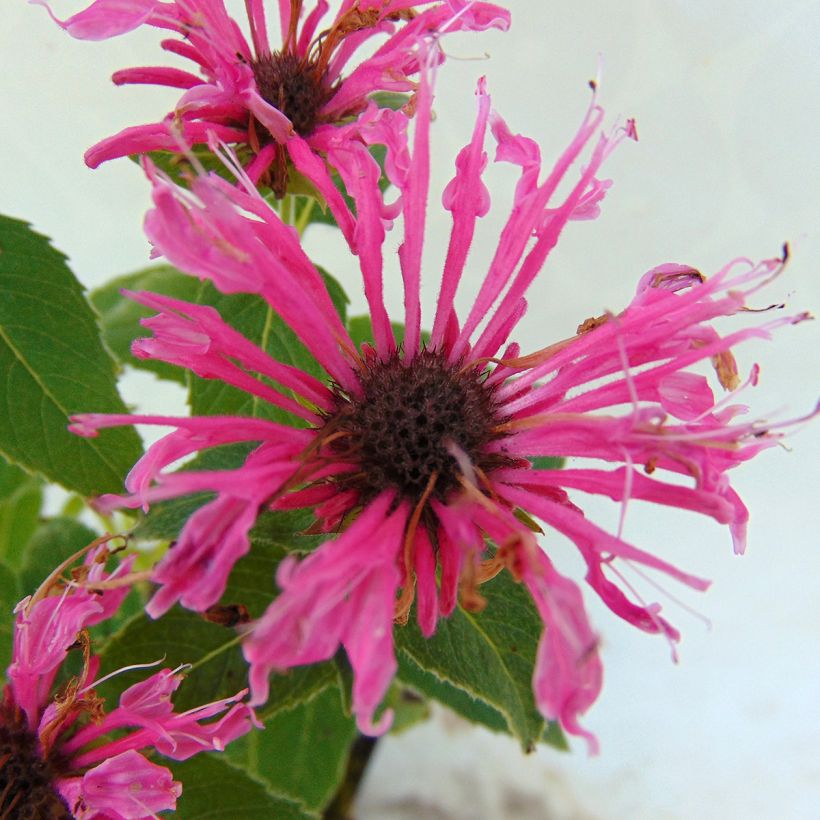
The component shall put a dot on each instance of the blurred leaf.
(179, 168)
(53, 364)
(10, 594)
(547, 462)
(390, 99)
(409, 707)
(360, 329)
(554, 736)
(74, 506)
(302, 752)
(21, 497)
(120, 316)
(214, 789)
(487, 657)
(53, 541)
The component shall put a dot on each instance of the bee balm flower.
(421, 453)
(57, 758)
(277, 99)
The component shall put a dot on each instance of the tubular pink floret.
(126, 785)
(99, 776)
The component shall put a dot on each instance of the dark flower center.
(409, 422)
(26, 780)
(295, 86)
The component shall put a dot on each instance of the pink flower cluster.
(420, 454)
(266, 96)
(59, 737)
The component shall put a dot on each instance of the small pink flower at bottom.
(57, 759)
(420, 455)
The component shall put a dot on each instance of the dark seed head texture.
(402, 428)
(294, 86)
(26, 780)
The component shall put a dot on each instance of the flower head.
(57, 758)
(276, 99)
(421, 454)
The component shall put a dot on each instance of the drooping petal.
(105, 18)
(342, 594)
(426, 592)
(157, 136)
(568, 671)
(195, 570)
(196, 337)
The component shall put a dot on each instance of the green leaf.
(9, 596)
(487, 657)
(120, 316)
(360, 329)
(53, 364)
(459, 700)
(21, 497)
(390, 99)
(213, 789)
(302, 752)
(409, 707)
(52, 542)
(275, 535)
(547, 462)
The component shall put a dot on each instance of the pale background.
(726, 99)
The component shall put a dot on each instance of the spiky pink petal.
(568, 671)
(105, 18)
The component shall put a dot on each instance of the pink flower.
(260, 95)
(61, 761)
(420, 453)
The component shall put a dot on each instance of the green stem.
(287, 209)
(303, 220)
(341, 807)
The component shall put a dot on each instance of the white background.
(726, 99)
